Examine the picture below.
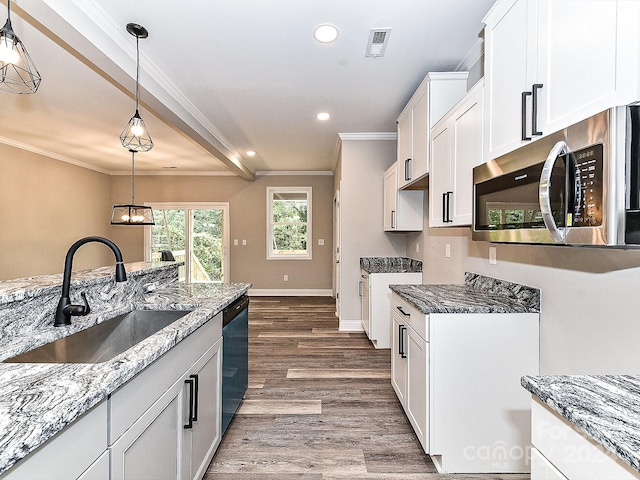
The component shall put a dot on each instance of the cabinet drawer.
(131, 400)
(413, 317)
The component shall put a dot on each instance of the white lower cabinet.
(458, 378)
(562, 451)
(165, 423)
(78, 451)
(375, 299)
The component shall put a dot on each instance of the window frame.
(226, 221)
(271, 191)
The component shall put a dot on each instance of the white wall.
(362, 165)
(590, 312)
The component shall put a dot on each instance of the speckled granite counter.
(479, 294)
(605, 407)
(390, 265)
(39, 400)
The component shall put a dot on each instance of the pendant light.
(18, 73)
(135, 136)
(132, 214)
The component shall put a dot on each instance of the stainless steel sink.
(103, 341)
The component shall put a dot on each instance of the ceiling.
(222, 77)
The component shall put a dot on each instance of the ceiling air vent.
(377, 44)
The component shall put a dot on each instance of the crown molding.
(267, 173)
(369, 136)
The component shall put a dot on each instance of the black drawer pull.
(403, 312)
(190, 382)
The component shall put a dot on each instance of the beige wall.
(589, 321)
(247, 211)
(46, 206)
(362, 166)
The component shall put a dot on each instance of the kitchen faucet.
(65, 309)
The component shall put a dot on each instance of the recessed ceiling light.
(323, 116)
(325, 33)
(251, 153)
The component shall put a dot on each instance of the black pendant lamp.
(135, 136)
(18, 73)
(132, 214)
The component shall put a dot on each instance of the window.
(196, 234)
(288, 223)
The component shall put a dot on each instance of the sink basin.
(103, 341)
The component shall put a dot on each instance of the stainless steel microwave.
(578, 186)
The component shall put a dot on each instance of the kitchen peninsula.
(39, 401)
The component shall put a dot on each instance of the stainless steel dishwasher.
(235, 357)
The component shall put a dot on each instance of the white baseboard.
(290, 292)
(350, 326)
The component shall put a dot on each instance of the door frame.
(224, 206)
(336, 249)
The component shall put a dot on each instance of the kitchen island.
(37, 401)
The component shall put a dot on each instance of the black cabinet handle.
(403, 354)
(195, 396)
(448, 202)
(403, 312)
(190, 382)
(407, 170)
(444, 207)
(534, 112)
(393, 219)
(524, 115)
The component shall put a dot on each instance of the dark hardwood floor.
(320, 405)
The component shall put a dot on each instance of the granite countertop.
(605, 407)
(39, 400)
(479, 294)
(390, 265)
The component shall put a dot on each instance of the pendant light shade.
(18, 73)
(132, 214)
(135, 136)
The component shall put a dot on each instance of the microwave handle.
(544, 194)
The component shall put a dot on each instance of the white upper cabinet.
(549, 64)
(437, 93)
(403, 209)
(456, 147)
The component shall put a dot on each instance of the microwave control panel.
(587, 183)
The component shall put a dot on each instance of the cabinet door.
(418, 386)
(366, 310)
(577, 60)
(99, 470)
(390, 198)
(203, 439)
(405, 146)
(439, 175)
(398, 356)
(152, 447)
(420, 136)
(466, 153)
(543, 469)
(509, 47)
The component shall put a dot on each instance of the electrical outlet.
(286, 278)
(447, 250)
(321, 241)
(493, 259)
(244, 243)
(235, 242)
(417, 247)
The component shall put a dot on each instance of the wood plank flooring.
(320, 405)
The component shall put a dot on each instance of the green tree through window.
(289, 222)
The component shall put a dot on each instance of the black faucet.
(65, 309)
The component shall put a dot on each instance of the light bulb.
(137, 218)
(8, 51)
(125, 218)
(136, 128)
